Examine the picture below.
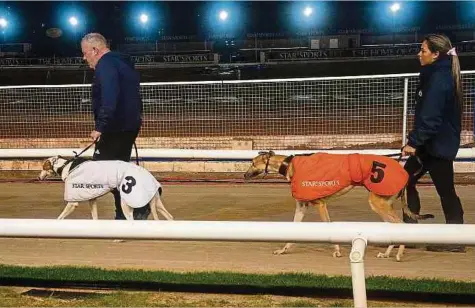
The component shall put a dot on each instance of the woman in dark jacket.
(434, 141)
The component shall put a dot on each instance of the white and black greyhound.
(87, 180)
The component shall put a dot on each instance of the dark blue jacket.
(437, 123)
(116, 98)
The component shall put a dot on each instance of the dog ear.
(262, 153)
(271, 153)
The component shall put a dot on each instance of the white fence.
(464, 154)
(280, 114)
(358, 233)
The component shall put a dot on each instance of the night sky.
(28, 21)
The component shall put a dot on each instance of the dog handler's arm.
(108, 77)
(431, 113)
(95, 135)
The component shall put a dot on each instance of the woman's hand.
(407, 150)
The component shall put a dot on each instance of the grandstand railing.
(356, 112)
(208, 58)
(269, 51)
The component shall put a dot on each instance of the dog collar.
(285, 165)
(77, 161)
(60, 169)
(74, 163)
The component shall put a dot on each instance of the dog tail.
(408, 212)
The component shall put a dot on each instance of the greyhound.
(372, 171)
(87, 180)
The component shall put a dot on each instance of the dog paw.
(382, 255)
(398, 258)
(118, 241)
(279, 252)
(336, 254)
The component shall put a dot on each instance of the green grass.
(230, 280)
(14, 297)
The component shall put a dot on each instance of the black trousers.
(442, 174)
(118, 146)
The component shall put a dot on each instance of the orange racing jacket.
(322, 174)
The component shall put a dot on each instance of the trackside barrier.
(464, 153)
(358, 233)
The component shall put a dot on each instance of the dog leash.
(95, 141)
(399, 158)
(398, 155)
(136, 154)
(76, 155)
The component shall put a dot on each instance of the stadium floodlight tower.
(223, 15)
(73, 21)
(3, 23)
(143, 18)
(307, 11)
(395, 7)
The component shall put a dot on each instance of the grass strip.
(238, 283)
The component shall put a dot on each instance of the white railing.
(358, 233)
(465, 153)
(280, 114)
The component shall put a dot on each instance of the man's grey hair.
(95, 40)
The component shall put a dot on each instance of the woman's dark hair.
(442, 44)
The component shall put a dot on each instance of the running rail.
(464, 153)
(357, 233)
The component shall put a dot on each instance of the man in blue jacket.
(116, 104)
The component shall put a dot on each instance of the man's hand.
(407, 150)
(95, 135)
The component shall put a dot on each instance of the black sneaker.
(446, 248)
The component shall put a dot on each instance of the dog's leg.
(300, 210)
(93, 205)
(68, 209)
(394, 218)
(161, 208)
(128, 211)
(323, 211)
(153, 207)
(377, 205)
(128, 214)
(383, 207)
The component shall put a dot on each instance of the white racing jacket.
(92, 179)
